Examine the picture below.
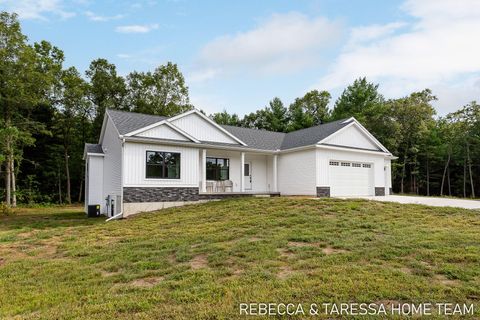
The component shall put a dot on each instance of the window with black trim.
(218, 168)
(162, 165)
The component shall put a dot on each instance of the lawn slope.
(201, 261)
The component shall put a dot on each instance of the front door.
(247, 175)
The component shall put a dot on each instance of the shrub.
(4, 209)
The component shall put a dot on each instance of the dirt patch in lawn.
(146, 282)
(284, 272)
(445, 281)
(254, 239)
(285, 253)
(26, 235)
(172, 259)
(199, 262)
(106, 274)
(388, 303)
(331, 250)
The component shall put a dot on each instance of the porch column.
(274, 175)
(204, 170)
(242, 171)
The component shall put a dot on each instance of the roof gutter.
(203, 145)
(339, 148)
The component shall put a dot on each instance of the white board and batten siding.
(163, 132)
(296, 173)
(112, 163)
(352, 136)
(135, 156)
(201, 129)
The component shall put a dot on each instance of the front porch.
(225, 173)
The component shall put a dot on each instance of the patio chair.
(219, 186)
(209, 186)
(228, 184)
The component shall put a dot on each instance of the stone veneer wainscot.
(159, 194)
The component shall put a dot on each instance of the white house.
(144, 162)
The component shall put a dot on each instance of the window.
(367, 165)
(334, 163)
(246, 169)
(218, 169)
(356, 165)
(345, 164)
(162, 165)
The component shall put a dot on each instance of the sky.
(238, 55)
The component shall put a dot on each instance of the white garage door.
(349, 178)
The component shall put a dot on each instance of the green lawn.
(201, 261)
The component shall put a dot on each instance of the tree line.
(48, 112)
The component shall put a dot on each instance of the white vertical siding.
(135, 164)
(296, 173)
(94, 182)
(270, 179)
(201, 129)
(112, 164)
(325, 155)
(163, 132)
(352, 137)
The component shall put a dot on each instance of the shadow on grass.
(47, 218)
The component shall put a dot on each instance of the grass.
(201, 261)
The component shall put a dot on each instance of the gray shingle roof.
(93, 148)
(126, 122)
(258, 139)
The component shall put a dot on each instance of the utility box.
(93, 211)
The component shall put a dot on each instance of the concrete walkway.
(428, 201)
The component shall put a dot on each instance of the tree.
(225, 118)
(356, 100)
(107, 89)
(467, 123)
(26, 73)
(72, 105)
(162, 92)
(414, 117)
(276, 117)
(309, 110)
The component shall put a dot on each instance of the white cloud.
(202, 75)
(439, 47)
(36, 9)
(124, 56)
(98, 18)
(137, 28)
(281, 44)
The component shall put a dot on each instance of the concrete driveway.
(429, 201)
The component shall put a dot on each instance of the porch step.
(226, 195)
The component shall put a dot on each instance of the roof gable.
(203, 129)
(352, 136)
(164, 131)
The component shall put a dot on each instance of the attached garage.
(349, 178)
